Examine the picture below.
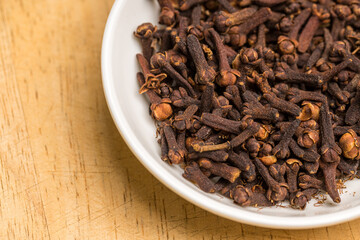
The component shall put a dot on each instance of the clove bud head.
(268, 54)
(265, 149)
(299, 200)
(249, 55)
(241, 196)
(330, 155)
(322, 65)
(161, 111)
(176, 157)
(293, 162)
(286, 45)
(309, 111)
(253, 147)
(268, 160)
(350, 145)
(278, 195)
(263, 132)
(338, 49)
(145, 30)
(221, 21)
(227, 77)
(285, 24)
(312, 124)
(342, 11)
(157, 60)
(308, 138)
(167, 16)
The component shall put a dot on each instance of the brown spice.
(266, 99)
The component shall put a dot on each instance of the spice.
(257, 100)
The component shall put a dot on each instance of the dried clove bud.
(353, 113)
(292, 170)
(300, 199)
(184, 120)
(330, 153)
(278, 171)
(348, 167)
(250, 196)
(181, 99)
(218, 156)
(268, 159)
(176, 154)
(308, 33)
(350, 145)
(282, 105)
(235, 142)
(158, 61)
(308, 138)
(220, 169)
(205, 74)
(167, 15)
(227, 76)
(309, 111)
(277, 191)
(307, 181)
(306, 155)
(193, 173)
(160, 108)
(145, 33)
(282, 150)
(243, 162)
(224, 20)
(253, 147)
(220, 123)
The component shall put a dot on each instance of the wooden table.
(65, 172)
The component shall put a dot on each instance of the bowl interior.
(131, 115)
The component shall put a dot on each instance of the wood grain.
(65, 172)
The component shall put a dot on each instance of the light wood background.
(65, 172)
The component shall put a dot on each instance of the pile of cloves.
(258, 100)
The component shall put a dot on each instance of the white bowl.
(131, 115)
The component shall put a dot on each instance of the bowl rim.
(170, 181)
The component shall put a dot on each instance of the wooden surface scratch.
(65, 172)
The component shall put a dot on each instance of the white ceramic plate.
(131, 115)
